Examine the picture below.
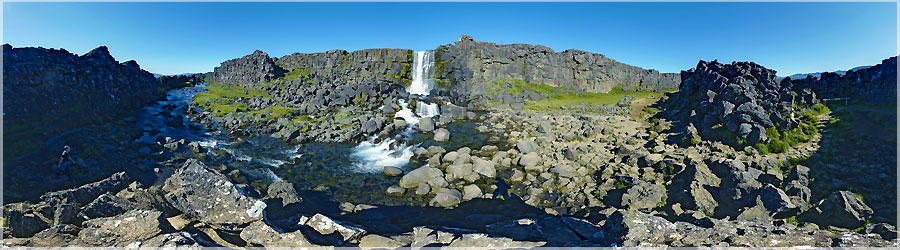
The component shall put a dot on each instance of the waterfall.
(374, 156)
(422, 64)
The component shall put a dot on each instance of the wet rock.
(209, 197)
(419, 175)
(441, 134)
(285, 191)
(196, 148)
(260, 234)
(124, 229)
(840, 209)
(326, 226)
(447, 198)
(396, 191)
(426, 124)
(392, 171)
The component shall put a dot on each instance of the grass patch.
(560, 97)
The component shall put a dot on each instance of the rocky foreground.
(196, 206)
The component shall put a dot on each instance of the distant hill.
(817, 74)
(161, 75)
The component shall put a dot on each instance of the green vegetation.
(792, 220)
(560, 97)
(781, 140)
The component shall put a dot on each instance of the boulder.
(459, 171)
(485, 168)
(419, 175)
(441, 134)
(260, 234)
(630, 228)
(392, 171)
(426, 124)
(285, 191)
(776, 202)
(447, 198)
(840, 209)
(209, 197)
(396, 191)
(530, 159)
(326, 226)
(22, 221)
(107, 205)
(471, 191)
(124, 229)
(644, 195)
(85, 194)
(55, 236)
(377, 241)
(527, 146)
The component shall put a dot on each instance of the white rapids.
(374, 156)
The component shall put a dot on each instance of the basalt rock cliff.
(59, 91)
(468, 64)
(876, 83)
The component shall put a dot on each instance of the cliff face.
(876, 83)
(251, 69)
(50, 90)
(468, 63)
(362, 66)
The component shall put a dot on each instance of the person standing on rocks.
(65, 163)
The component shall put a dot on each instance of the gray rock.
(523, 229)
(482, 240)
(423, 189)
(776, 202)
(530, 159)
(485, 168)
(396, 191)
(447, 198)
(392, 171)
(460, 171)
(209, 197)
(285, 191)
(107, 205)
(122, 230)
(261, 234)
(527, 146)
(840, 209)
(426, 124)
(171, 240)
(326, 226)
(563, 171)
(55, 236)
(419, 175)
(643, 195)
(471, 191)
(377, 241)
(629, 228)
(441, 134)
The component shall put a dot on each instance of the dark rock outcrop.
(392, 66)
(841, 209)
(56, 91)
(876, 83)
(249, 70)
(741, 97)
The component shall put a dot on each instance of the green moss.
(792, 220)
(223, 109)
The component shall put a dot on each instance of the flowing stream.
(349, 172)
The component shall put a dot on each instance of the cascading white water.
(374, 156)
(422, 64)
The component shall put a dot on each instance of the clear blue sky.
(171, 38)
